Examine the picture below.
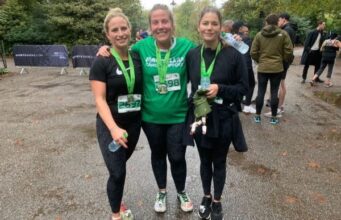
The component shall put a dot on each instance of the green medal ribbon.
(162, 65)
(203, 71)
(130, 78)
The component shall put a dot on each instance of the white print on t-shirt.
(119, 72)
(173, 62)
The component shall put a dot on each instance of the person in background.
(329, 49)
(116, 86)
(226, 27)
(243, 31)
(311, 54)
(223, 69)
(270, 48)
(284, 24)
(164, 102)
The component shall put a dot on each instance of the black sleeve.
(98, 70)
(239, 86)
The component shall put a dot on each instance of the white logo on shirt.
(173, 62)
(118, 71)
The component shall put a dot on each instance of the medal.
(206, 73)
(162, 65)
(130, 99)
(204, 83)
(128, 76)
(162, 88)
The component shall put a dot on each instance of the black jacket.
(309, 42)
(291, 32)
(230, 73)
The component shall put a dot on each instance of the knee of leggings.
(117, 175)
(177, 159)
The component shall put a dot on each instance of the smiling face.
(161, 27)
(118, 32)
(209, 28)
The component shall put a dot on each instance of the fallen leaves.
(314, 165)
(319, 198)
(291, 199)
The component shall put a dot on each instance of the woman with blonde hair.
(116, 86)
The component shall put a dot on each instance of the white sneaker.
(269, 114)
(160, 202)
(252, 110)
(248, 109)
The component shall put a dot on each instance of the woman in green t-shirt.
(164, 102)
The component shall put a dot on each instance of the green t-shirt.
(169, 108)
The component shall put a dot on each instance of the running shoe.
(185, 202)
(160, 202)
(205, 208)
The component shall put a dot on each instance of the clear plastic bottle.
(239, 45)
(113, 146)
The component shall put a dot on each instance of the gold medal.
(162, 88)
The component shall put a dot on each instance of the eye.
(165, 21)
(114, 30)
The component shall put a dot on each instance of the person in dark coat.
(219, 71)
(311, 53)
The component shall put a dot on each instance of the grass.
(3, 71)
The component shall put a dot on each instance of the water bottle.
(239, 45)
(113, 146)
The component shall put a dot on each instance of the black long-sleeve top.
(230, 73)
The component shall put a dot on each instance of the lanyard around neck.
(203, 71)
(162, 64)
(130, 78)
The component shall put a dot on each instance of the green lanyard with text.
(207, 73)
(162, 65)
(130, 78)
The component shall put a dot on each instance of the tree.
(80, 21)
(187, 17)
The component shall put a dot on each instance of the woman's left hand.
(212, 91)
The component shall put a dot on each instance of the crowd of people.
(146, 87)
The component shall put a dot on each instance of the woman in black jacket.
(219, 72)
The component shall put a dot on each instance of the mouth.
(161, 32)
(122, 40)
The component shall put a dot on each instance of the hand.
(104, 51)
(212, 91)
(237, 37)
(120, 136)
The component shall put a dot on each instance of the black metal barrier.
(40, 56)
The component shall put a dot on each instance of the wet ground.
(51, 166)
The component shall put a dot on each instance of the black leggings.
(213, 166)
(324, 64)
(275, 80)
(116, 162)
(166, 140)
